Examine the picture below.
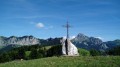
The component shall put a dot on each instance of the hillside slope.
(83, 61)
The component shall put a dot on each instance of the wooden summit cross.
(67, 26)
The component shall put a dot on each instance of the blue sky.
(44, 18)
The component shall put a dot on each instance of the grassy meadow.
(1, 47)
(82, 61)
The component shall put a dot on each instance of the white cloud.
(71, 37)
(100, 38)
(39, 25)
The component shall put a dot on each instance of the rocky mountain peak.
(81, 37)
(86, 42)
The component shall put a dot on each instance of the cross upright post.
(67, 26)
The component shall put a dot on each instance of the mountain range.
(13, 40)
(81, 41)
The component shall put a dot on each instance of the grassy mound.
(82, 61)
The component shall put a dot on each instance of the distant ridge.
(81, 41)
(25, 40)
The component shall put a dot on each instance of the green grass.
(82, 61)
(47, 47)
(1, 47)
(27, 53)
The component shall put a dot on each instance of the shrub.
(34, 54)
(94, 52)
(114, 51)
(54, 51)
(4, 57)
(21, 53)
(83, 52)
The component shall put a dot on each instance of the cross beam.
(67, 26)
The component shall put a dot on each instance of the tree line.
(30, 52)
(41, 51)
